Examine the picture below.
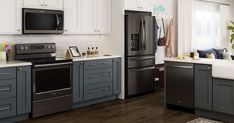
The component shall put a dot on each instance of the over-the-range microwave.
(42, 21)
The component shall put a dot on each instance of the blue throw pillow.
(202, 53)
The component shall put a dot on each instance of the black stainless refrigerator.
(139, 53)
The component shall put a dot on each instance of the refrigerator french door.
(139, 53)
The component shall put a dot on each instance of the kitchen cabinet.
(23, 90)
(138, 5)
(96, 80)
(44, 4)
(15, 92)
(10, 12)
(72, 16)
(116, 75)
(223, 96)
(96, 16)
(78, 82)
(203, 87)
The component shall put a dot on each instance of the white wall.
(62, 41)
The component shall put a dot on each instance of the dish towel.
(170, 39)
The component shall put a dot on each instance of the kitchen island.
(204, 85)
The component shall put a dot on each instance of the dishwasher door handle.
(180, 66)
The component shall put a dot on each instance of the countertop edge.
(94, 58)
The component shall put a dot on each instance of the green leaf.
(232, 38)
(232, 46)
(232, 22)
(230, 28)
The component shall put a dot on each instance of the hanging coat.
(170, 40)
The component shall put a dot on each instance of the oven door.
(51, 80)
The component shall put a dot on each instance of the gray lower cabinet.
(203, 87)
(15, 91)
(116, 75)
(78, 82)
(23, 90)
(96, 79)
(223, 96)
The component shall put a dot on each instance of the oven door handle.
(49, 65)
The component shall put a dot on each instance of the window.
(205, 25)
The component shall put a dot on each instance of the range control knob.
(48, 46)
(22, 48)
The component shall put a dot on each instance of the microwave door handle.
(57, 18)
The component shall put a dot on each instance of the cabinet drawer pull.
(4, 74)
(5, 108)
(139, 7)
(42, 4)
(5, 89)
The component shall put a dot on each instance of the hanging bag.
(162, 40)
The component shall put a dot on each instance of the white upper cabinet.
(103, 16)
(10, 11)
(72, 16)
(33, 3)
(44, 4)
(53, 4)
(88, 16)
(138, 5)
(96, 16)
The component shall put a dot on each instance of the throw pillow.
(219, 53)
(210, 56)
(227, 56)
(202, 53)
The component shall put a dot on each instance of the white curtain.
(205, 25)
(184, 26)
(202, 25)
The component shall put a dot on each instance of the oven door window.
(52, 79)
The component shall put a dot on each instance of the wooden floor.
(145, 109)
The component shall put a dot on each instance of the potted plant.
(231, 29)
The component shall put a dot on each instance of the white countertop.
(4, 64)
(95, 58)
(200, 61)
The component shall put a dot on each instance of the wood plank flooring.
(144, 109)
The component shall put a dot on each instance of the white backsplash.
(63, 41)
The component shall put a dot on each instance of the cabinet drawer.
(7, 107)
(97, 64)
(7, 88)
(97, 90)
(7, 73)
(97, 76)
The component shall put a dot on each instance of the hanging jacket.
(170, 40)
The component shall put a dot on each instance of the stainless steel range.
(51, 78)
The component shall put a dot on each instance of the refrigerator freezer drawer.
(140, 80)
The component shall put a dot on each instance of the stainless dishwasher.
(179, 82)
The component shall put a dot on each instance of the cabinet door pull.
(4, 74)
(5, 89)
(5, 108)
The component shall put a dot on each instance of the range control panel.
(38, 48)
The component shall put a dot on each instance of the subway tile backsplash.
(63, 41)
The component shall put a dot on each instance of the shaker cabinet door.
(72, 16)
(116, 75)
(24, 90)
(10, 12)
(203, 87)
(223, 96)
(103, 16)
(78, 82)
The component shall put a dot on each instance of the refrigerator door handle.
(141, 34)
(144, 38)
